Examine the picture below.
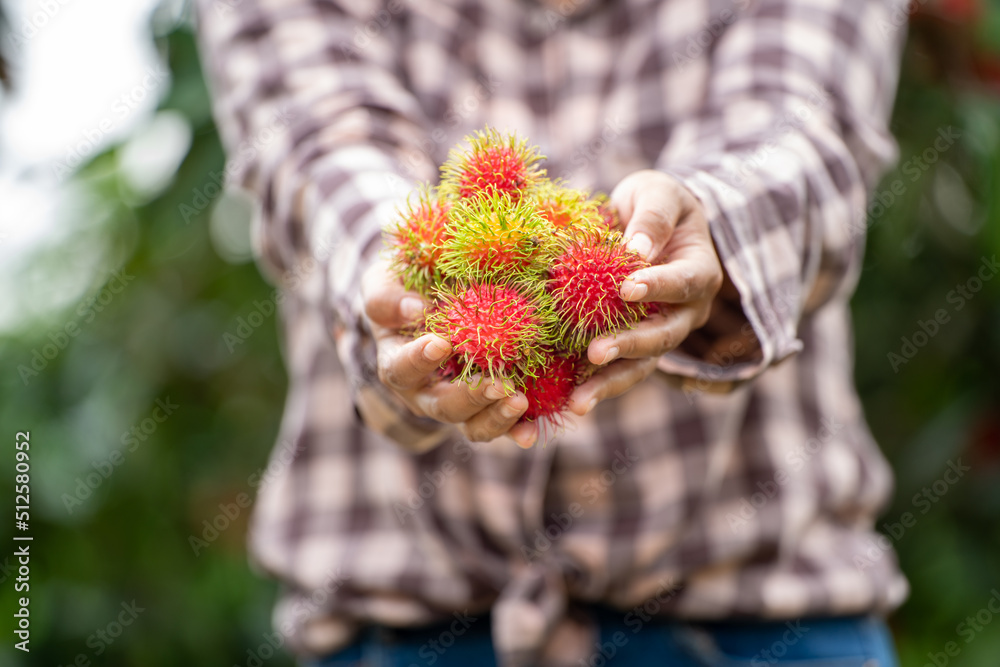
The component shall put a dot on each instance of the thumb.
(649, 206)
(387, 303)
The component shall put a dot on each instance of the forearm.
(791, 137)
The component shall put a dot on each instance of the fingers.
(458, 402)
(650, 203)
(609, 382)
(524, 434)
(496, 419)
(652, 337)
(409, 365)
(679, 281)
(387, 303)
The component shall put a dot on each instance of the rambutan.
(496, 329)
(495, 236)
(584, 281)
(607, 213)
(566, 209)
(522, 272)
(415, 241)
(549, 391)
(493, 164)
(451, 368)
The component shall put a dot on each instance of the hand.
(662, 219)
(408, 367)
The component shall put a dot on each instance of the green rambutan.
(584, 281)
(495, 236)
(493, 164)
(496, 329)
(415, 241)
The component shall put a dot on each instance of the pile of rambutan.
(522, 272)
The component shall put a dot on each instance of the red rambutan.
(415, 241)
(451, 368)
(494, 329)
(549, 391)
(584, 282)
(493, 164)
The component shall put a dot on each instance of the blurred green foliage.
(924, 256)
(117, 495)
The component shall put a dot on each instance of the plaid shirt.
(738, 480)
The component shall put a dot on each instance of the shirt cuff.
(771, 308)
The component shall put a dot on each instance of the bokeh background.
(126, 275)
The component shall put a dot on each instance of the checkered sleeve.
(790, 137)
(318, 126)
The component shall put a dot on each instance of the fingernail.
(493, 393)
(641, 244)
(434, 351)
(411, 308)
(590, 405)
(610, 356)
(633, 291)
(508, 410)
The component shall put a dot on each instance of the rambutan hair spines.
(522, 272)
(585, 282)
(493, 164)
(567, 210)
(415, 240)
(498, 329)
(495, 236)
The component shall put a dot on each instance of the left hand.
(662, 219)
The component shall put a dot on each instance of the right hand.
(408, 367)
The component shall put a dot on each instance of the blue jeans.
(850, 641)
